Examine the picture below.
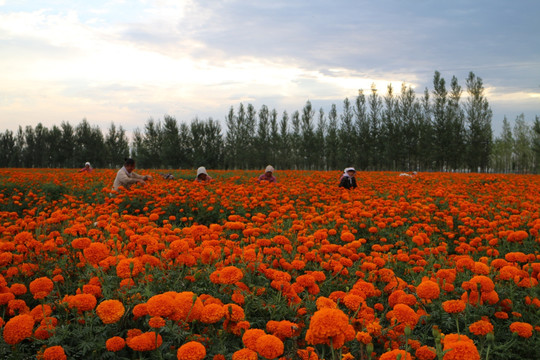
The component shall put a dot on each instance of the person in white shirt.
(126, 176)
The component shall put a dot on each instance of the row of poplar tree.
(436, 131)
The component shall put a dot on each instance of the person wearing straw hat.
(348, 180)
(268, 175)
(202, 175)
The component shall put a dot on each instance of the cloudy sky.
(125, 61)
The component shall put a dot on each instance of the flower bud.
(369, 348)
(436, 333)
(407, 331)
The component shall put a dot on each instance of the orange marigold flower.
(41, 311)
(43, 332)
(156, 322)
(212, 313)
(491, 297)
(298, 264)
(305, 280)
(250, 338)
(96, 252)
(501, 315)
(110, 311)
(114, 344)
(425, 353)
(367, 288)
(160, 305)
(238, 298)
(145, 342)
(405, 315)
(428, 290)
(283, 329)
(133, 332)
(353, 302)
(459, 347)
(83, 302)
(516, 257)
(127, 283)
(140, 310)
(192, 350)
(324, 302)
(18, 289)
(17, 306)
(237, 328)
(234, 312)
(128, 268)
(49, 321)
(374, 328)
(318, 275)
(229, 275)
(187, 306)
(245, 354)
(18, 328)
(486, 284)
(517, 236)
(508, 272)
(269, 346)
(347, 236)
(54, 353)
(481, 327)
(364, 337)
(41, 287)
(447, 276)
(522, 329)
(271, 326)
(453, 306)
(480, 268)
(401, 297)
(6, 298)
(396, 354)
(328, 325)
(46, 328)
(92, 289)
(81, 243)
(5, 258)
(23, 237)
(307, 353)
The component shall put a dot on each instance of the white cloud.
(125, 61)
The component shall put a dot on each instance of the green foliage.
(53, 191)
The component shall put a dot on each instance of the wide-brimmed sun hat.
(201, 170)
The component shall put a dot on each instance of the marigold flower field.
(440, 266)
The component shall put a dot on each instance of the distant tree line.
(63, 147)
(517, 150)
(437, 131)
